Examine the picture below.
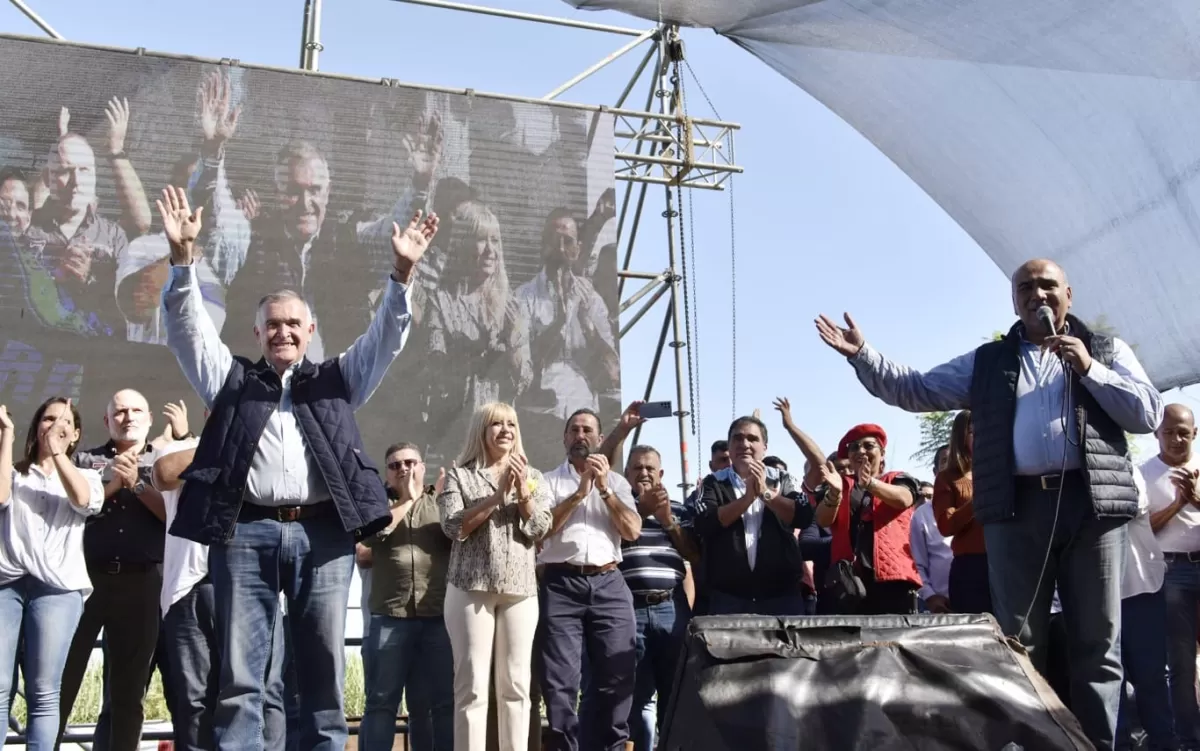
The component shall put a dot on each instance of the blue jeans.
(1182, 590)
(193, 656)
(1144, 655)
(311, 562)
(661, 629)
(49, 617)
(412, 654)
(1087, 560)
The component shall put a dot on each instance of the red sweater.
(893, 551)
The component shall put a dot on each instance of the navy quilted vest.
(215, 486)
(1109, 470)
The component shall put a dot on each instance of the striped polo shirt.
(651, 563)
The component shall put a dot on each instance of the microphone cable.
(1062, 476)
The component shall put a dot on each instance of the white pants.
(485, 626)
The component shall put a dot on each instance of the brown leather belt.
(252, 512)
(584, 570)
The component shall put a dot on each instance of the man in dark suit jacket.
(748, 514)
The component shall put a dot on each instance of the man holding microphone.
(1054, 487)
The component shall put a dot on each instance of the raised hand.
(847, 341)
(1185, 482)
(598, 464)
(863, 477)
(1072, 350)
(424, 148)
(248, 204)
(784, 408)
(56, 437)
(180, 223)
(758, 478)
(410, 244)
(632, 416)
(6, 423)
(177, 419)
(64, 122)
(125, 467)
(117, 113)
(440, 484)
(831, 477)
(218, 121)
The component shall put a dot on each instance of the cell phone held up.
(652, 410)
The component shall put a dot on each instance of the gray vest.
(1106, 461)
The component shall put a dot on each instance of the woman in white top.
(44, 499)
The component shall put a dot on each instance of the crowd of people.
(226, 557)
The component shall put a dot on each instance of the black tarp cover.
(862, 683)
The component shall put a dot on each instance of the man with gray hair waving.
(281, 485)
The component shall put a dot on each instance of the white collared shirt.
(589, 537)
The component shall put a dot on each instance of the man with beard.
(572, 343)
(586, 607)
(123, 547)
(1053, 480)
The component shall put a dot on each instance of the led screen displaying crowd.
(300, 177)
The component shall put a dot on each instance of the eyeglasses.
(868, 446)
(395, 466)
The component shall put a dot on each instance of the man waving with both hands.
(281, 485)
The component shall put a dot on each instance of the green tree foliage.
(935, 433)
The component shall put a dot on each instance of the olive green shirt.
(408, 574)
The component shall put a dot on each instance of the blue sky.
(824, 222)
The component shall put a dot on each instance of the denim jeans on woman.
(49, 617)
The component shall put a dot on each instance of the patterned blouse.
(500, 555)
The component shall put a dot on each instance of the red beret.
(858, 432)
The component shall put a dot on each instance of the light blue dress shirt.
(283, 471)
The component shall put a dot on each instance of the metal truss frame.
(660, 144)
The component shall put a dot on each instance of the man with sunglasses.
(406, 646)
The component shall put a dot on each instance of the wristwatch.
(139, 487)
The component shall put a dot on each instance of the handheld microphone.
(1046, 317)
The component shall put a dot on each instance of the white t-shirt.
(41, 531)
(185, 562)
(1144, 564)
(1182, 533)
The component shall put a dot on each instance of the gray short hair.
(283, 295)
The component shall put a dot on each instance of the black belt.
(1193, 557)
(252, 512)
(584, 570)
(653, 598)
(1053, 481)
(122, 567)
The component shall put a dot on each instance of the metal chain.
(690, 301)
(677, 80)
(732, 239)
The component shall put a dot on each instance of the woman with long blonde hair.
(474, 321)
(954, 511)
(495, 508)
